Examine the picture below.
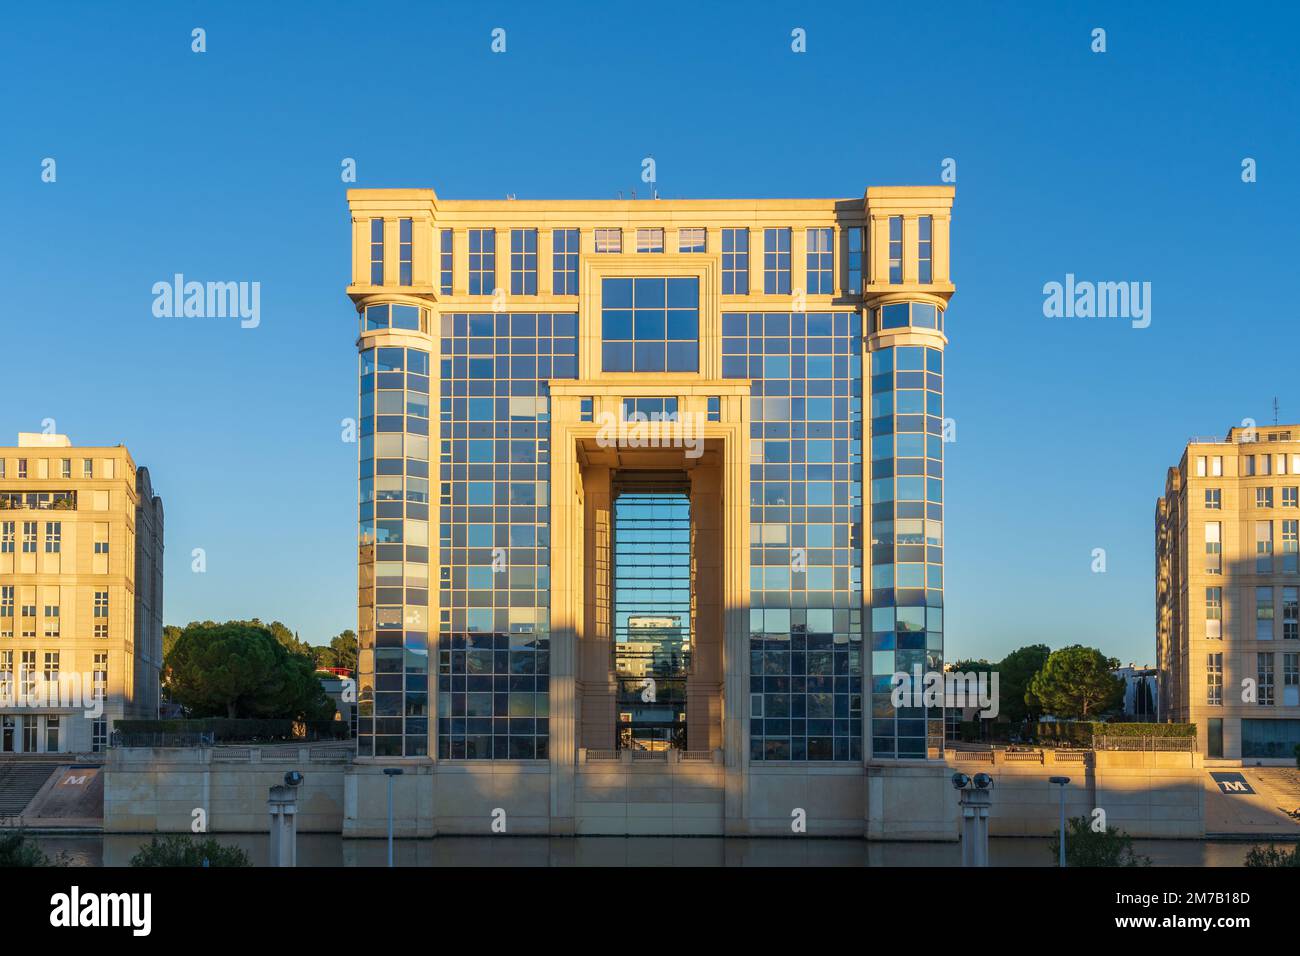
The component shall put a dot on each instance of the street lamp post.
(390, 773)
(1061, 782)
(975, 799)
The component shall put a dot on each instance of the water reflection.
(333, 850)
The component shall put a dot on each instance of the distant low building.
(1141, 691)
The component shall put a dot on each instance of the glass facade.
(806, 665)
(906, 515)
(494, 548)
(393, 693)
(846, 485)
(650, 324)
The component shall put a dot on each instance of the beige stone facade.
(425, 270)
(81, 569)
(1227, 580)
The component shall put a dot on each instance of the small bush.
(1087, 847)
(16, 849)
(181, 850)
(1267, 856)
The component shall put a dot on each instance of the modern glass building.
(653, 476)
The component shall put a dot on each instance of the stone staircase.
(20, 780)
(1282, 782)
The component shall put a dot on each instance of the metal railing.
(1145, 744)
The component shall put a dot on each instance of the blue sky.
(225, 166)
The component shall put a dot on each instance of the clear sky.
(225, 165)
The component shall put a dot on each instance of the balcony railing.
(38, 501)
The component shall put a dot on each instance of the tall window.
(65, 468)
(1264, 667)
(482, 261)
(1290, 497)
(1213, 548)
(101, 614)
(1291, 545)
(52, 625)
(650, 240)
(1214, 499)
(404, 246)
(1264, 614)
(1214, 612)
(821, 261)
(6, 537)
(924, 224)
(53, 537)
(1214, 679)
(853, 250)
(446, 260)
(376, 252)
(29, 537)
(1290, 614)
(692, 239)
(523, 262)
(27, 674)
(735, 262)
(776, 261)
(1263, 497)
(1263, 547)
(650, 325)
(1216, 466)
(1290, 680)
(895, 250)
(7, 611)
(87, 468)
(564, 261)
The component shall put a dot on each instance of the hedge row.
(225, 729)
(1077, 732)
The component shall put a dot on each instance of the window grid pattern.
(494, 550)
(564, 261)
(895, 250)
(820, 260)
(735, 262)
(650, 324)
(906, 514)
(924, 233)
(446, 261)
(404, 252)
(853, 254)
(523, 262)
(806, 667)
(776, 261)
(376, 252)
(393, 542)
(482, 261)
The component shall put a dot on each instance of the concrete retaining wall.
(159, 790)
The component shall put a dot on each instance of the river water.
(332, 850)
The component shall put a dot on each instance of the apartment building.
(1228, 593)
(81, 570)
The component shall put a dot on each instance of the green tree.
(1085, 846)
(1015, 672)
(171, 634)
(344, 647)
(1268, 856)
(341, 651)
(182, 850)
(1076, 683)
(239, 669)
